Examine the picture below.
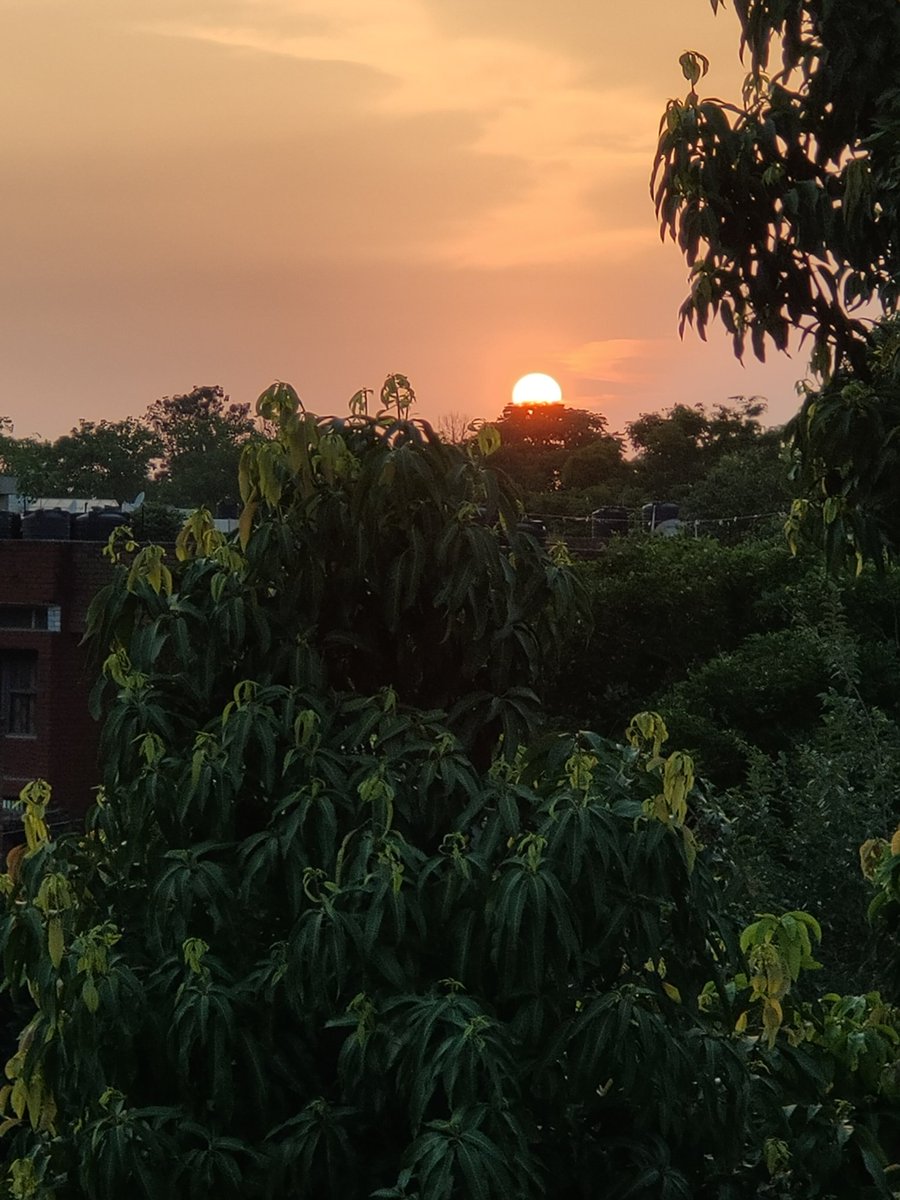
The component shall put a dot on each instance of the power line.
(629, 513)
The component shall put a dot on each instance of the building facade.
(46, 730)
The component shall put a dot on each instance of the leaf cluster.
(845, 441)
(785, 205)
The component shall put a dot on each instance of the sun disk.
(537, 389)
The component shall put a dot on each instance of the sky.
(325, 191)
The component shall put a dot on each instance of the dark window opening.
(18, 692)
(30, 616)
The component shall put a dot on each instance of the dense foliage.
(795, 826)
(785, 205)
(102, 459)
(845, 437)
(309, 945)
(677, 448)
(537, 441)
(360, 989)
(786, 209)
(201, 434)
(783, 684)
(660, 608)
(414, 981)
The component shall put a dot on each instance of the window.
(18, 692)
(30, 616)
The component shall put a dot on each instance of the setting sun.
(537, 389)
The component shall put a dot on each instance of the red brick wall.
(64, 750)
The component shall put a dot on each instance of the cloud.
(616, 374)
(618, 362)
(568, 147)
(428, 70)
(206, 158)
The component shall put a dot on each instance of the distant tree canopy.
(747, 482)
(600, 467)
(549, 426)
(676, 448)
(103, 459)
(566, 463)
(184, 451)
(538, 440)
(202, 434)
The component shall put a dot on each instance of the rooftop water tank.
(47, 525)
(98, 524)
(609, 520)
(10, 525)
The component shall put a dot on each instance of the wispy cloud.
(615, 374)
(625, 361)
(523, 102)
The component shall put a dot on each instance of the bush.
(763, 695)
(657, 608)
(797, 824)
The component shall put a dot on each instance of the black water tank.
(97, 525)
(609, 520)
(10, 525)
(658, 511)
(47, 525)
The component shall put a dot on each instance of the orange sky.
(323, 191)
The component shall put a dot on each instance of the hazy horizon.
(235, 192)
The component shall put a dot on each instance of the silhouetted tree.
(454, 427)
(676, 448)
(599, 466)
(537, 439)
(202, 434)
(103, 459)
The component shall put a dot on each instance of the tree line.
(184, 451)
(715, 462)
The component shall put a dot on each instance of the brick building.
(46, 730)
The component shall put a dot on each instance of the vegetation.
(102, 459)
(660, 608)
(356, 914)
(786, 209)
(785, 204)
(537, 442)
(845, 436)
(183, 452)
(678, 448)
(782, 682)
(313, 943)
(717, 463)
(201, 435)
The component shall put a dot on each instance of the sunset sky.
(324, 191)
